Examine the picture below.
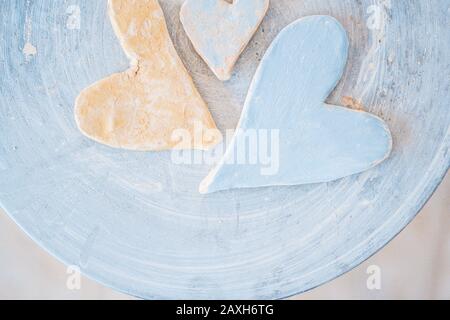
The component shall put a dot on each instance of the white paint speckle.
(29, 51)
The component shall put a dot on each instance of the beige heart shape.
(144, 107)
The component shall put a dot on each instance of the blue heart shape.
(313, 142)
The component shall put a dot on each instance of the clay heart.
(221, 29)
(317, 142)
(141, 108)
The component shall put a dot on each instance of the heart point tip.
(203, 188)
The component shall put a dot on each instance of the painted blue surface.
(136, 222)
(316, 142)
(220, 30)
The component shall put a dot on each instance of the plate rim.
(436, 178)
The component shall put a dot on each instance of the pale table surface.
(415, 265)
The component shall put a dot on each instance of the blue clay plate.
(135, 221)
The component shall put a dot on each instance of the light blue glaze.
(317, 142)
(136, 222)
(220, 30)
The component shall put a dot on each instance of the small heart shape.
(221, 29)
(317, 142)
(142, 108)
